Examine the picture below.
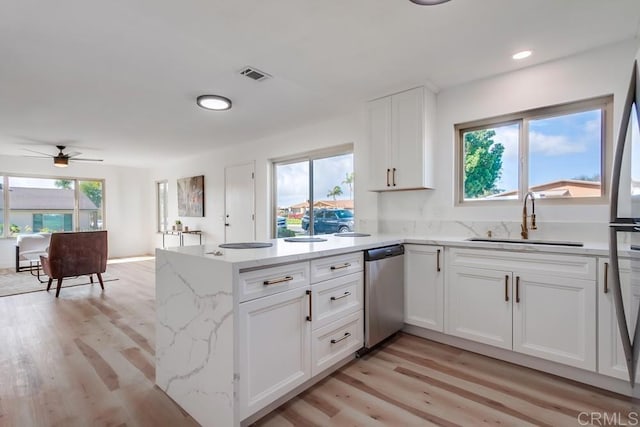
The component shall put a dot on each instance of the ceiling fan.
(62, 159)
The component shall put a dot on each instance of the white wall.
(127, 202)
(594, 73)
(346, 129)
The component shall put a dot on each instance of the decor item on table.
(178, 225)
(191, 196)
(73, 254)
(186, 228)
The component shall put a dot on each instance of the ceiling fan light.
(214, 102)
(428, 2)
(60, 162)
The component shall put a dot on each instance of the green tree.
(348, 180)
(336, 191)
(593, 178)
(482, 163)
(63, 183)
(93, 190)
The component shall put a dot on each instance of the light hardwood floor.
(86, 359)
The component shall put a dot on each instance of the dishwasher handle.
(384, 252)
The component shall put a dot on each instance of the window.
(35, 204)
(162, 207)
(324, 180)
(555, 153)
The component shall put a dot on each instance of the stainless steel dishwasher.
(383, 294)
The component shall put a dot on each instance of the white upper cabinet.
(401, 139)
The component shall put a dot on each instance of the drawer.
(268, 281)
(336, 266)
(336, 341)
(335, 298)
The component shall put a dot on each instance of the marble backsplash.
(571, 231)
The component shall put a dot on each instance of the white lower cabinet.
(286, 338)
(479, 305)
(611, 360)
(274, 351)
(335, 341)
(555, 319)
(424, 286)
(540, 305)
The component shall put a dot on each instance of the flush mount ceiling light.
(428, 2)
(522, 55)
(214, 102)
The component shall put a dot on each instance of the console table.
(180, 234)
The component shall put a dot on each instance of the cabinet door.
(554, 318)
(379, 124)
(407, 139)
(274, 348)
(478, 305)
(611, 360)
(424, 286)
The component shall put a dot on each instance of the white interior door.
(239, 203)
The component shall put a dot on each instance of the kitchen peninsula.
(219, 356)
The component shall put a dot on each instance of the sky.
(563, 147)
(293, 179)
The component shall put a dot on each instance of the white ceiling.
(118, 79)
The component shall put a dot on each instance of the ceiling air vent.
(254, 74)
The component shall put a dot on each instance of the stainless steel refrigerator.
(624, 228)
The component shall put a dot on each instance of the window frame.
(6, 211)
(522, 118)
(309, 157)
(166, 206)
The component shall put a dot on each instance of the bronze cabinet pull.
(506, 287)
(606, 277)
(517, 288)
(346, 335)
(438, 260)
(388, 170)
(394, 177)
(338, 267)
(310, 309)
(275, 281)
(346, 294)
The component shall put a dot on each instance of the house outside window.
(558, 153)
(37, 204)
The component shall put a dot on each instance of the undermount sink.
(527, 242)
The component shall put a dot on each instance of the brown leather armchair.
(75, 254)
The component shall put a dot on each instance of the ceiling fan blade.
(37, 157)
(38, 152)
(76, 159)
(75, 153)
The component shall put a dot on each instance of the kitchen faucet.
(523, 226)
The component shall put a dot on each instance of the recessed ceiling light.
(522, 55)
(214, 102)
(428, 2)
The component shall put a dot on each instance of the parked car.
(329, 221)
(281, 222)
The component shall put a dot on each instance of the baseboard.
(568, 372)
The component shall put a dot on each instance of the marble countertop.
(286, 252)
